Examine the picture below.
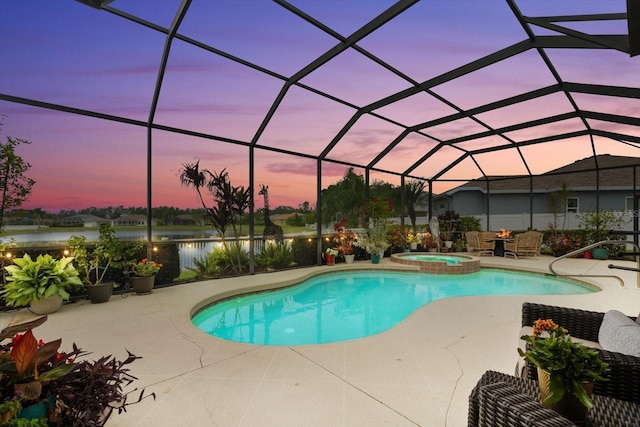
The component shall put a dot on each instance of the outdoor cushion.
(619, 333)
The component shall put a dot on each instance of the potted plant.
(344, 240)
(596, 226)
(93, 265)
(447, 225)
(413, 239)
(459, 245)
(429, 242)
(46, 387)
(374, 241)
(144, 275)
(42, 283)
(397, 236)
(566, 369)
(563, 244)
(330, 256)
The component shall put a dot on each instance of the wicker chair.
(624, 370)
(527, 243)
(476, 242)
(501, 400)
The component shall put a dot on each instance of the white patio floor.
(419, 373)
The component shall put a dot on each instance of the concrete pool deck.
(419, 373)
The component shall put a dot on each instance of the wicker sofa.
(624, 373)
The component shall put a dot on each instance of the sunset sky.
(69, 54)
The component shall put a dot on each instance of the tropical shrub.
(276, 256)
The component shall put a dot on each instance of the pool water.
(344, 306)
(451, 260)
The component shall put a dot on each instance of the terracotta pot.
(142, 285)
(330, 259)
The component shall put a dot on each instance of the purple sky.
(69, 54)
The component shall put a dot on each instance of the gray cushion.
(619, 333)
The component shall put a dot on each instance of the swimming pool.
(343, 306)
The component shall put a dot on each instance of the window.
(628, 204)
(572, 205)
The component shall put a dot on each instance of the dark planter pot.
(100, 293)
(600, 253)
(142, 285)
(587, 254)
(375, 258)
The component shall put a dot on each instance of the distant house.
(186, 219)
(616, 189)
(281, 219)
(82, 220)
(131, 220)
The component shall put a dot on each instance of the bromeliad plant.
(568, 363)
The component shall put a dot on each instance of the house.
(83, 220)
(281, 219)
(519, 202)
(131, 220)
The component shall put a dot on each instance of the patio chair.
(500, 400)
(527, 243)
(624, 370)
(476, 242)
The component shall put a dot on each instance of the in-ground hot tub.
(439, 263)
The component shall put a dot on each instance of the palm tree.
(413, 194)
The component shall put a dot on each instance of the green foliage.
(230, 202)
(374, 239)
(344, 197)
(376, 209)
(276, 255)
(568, 363)
(304, 251)
(30, 280)
(413, 194)
(24, 422)
(169, 256)
(206, 267)
(310, 218)
(108, 252)
(596, 225)
(223, 259)
(469, 223)
(296, 220)
(15, 186)
(449, 223)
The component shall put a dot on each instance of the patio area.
(419, 373)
